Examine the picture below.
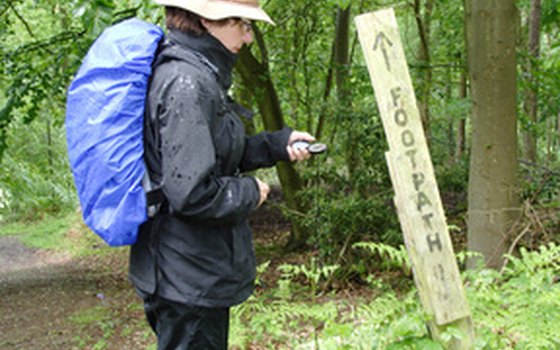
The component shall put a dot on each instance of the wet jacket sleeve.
(265, 149)
(190, 183)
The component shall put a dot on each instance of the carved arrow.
(380, 41)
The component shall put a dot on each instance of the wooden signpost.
(417, 197)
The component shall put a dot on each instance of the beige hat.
(220, 9)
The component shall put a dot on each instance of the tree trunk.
(341, 53)
(328, 88)
(556, 144)
(553, 140)
(423, 22)
(531, 101)
(344, 96)
(451, 142)
(556, 147)
(461, 144)
(491, 28)
(256, 75)
(244, 95)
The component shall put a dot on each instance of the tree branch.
(27, 27)
(262, 46)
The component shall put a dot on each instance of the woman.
(194, 259)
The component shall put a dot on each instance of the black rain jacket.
(198, 249)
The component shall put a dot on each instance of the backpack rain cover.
(104, 127)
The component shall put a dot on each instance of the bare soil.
(50, 301)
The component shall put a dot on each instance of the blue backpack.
(104, 127)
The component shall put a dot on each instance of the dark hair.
(183, 20)
(186, 21)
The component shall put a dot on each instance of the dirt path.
(15, 256)
(45, 300)
(50, 301)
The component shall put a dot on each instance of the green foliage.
(453, 177)
(43, 47)
(539, 184)
(346, 210)
(519, 308)
(100, 318)
(516, 309)
(36, 178)
(349, 205)
(338, 220)
(331, 324)
(392, 257)
(550, 13)
(312, 274)
(348, 190)
(343, 4)
(35, 61)
(51, 233)
(87, 316)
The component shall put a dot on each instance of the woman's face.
(233, 35)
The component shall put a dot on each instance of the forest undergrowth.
(517, 307)
(299, 302)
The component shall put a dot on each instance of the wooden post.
(417, 196)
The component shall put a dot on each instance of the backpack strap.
(154, 196)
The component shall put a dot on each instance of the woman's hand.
(264, 190)
(297, 154)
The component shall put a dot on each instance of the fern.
(396, 257)
(516, 309)
(522, 303)
(548, 256)
(313, 274)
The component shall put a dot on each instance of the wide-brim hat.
(221, 9)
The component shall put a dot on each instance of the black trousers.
(181, 327)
